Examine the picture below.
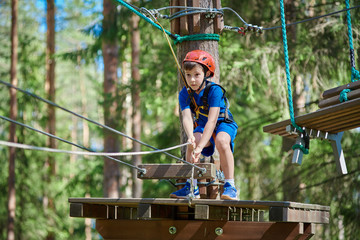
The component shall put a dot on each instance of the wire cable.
(74, 144)
(29, 147)
(313, 18)
(98, 124)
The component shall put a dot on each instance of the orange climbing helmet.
(203, 58)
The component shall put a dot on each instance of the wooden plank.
(127, 202)
(219, 20)
(326, 116)
(336, 99)
(206, 212)
(175, 23)
(184, 27)
(184, 229)
(336, 91)
(176, 171)
(285, 214)
(196, 17)
(83, 210)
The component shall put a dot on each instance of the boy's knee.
(222, 144)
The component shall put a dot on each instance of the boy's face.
(195, 77)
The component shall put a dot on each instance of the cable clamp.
(211, 13)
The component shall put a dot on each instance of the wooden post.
(197, 24)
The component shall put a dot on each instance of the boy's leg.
(222, 144)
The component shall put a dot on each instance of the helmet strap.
(201, 85)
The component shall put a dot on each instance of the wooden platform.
(333, 119)
(177, 171)
(165, 218)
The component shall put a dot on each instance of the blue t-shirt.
(215, 99)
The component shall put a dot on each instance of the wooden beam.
(333, 119)
(284, 214)
(336, 99)
(83, 210)
(336, 91)
(219, 20)
(175, 23)
(256, 204)
(184, 27)
(196, 17)
(184, 229)
(176, 171)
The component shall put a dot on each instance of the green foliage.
(252, 72)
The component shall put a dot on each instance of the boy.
(212, 119)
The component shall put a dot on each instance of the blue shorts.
(229, 128)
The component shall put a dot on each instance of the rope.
(198, 37)
(287, 67)
(74, 144)
(96, 123)
(301, 147)
(355, 76)
(125, 4)
(29, 147)
(343, 95)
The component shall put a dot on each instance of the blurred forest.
(252, 71)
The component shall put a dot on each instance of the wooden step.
(332, 119)
(336, 99)
(336, 91)
(177, 171)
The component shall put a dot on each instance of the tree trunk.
(198, 24)
(110, 55)
(212, 47)
(50, 91)
(12, 130)
(136, 115)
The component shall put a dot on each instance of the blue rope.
(287, 67)
(125, 4)
(177, 38)
(343, 95)
(197, 37)
(355, 76)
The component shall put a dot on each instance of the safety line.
(115, 154)
(313, 18)
(220, 11)
(66, 141)
(98, 124)
(127, 5)
(287, 67)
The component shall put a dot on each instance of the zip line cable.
(74, 144)
(98, 124)
(196, 10)
(313, 18)
(105, 154)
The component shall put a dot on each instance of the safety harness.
(205, 104)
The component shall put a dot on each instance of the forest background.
(252, 71)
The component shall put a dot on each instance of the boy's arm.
(188, 125)
(208, 131)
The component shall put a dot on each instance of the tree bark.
(199, 24)
(110, 55)
(12, 130)
(136, 114)
(212, 47)
(50, 91)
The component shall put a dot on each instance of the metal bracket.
(333, 138)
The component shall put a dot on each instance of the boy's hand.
(191, 140)
(196, 154)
